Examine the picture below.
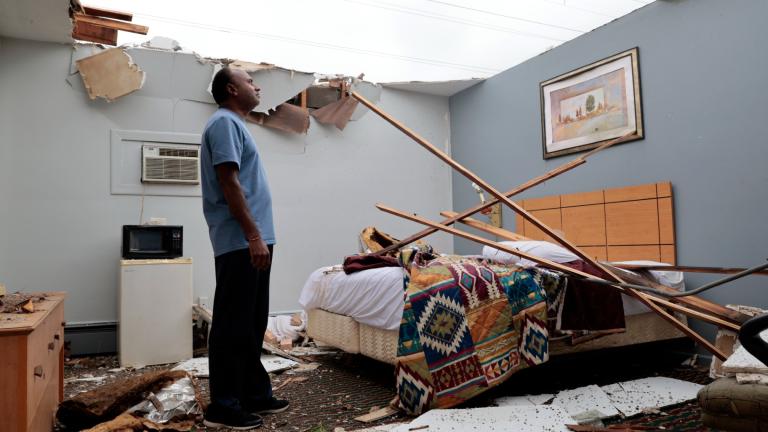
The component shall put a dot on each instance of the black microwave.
(152, 241)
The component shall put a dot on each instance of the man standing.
(237, 205)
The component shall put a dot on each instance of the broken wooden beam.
(91, 33)
(107, 13)
(488, 228)
(110, 23)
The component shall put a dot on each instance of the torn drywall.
(632, 397)
(586, 404)
(286, 117)
(110, 74)
(337, 113)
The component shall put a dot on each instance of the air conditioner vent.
(170, 164)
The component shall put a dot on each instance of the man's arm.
(229, 182)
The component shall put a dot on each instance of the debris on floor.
(492, 419)
(637, 396)
(591, 403)
(106, 402)
(199, 366)
(742, 362)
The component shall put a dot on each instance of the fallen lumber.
(488, 228)
(104, 403)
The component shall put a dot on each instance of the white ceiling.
(41, 20)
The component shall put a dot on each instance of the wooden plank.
(632, 223)
(91, 33)
(585, 225)
(631, 193)
(108, 13)
(597, 252)
(543, 203)
(666, 221)
(108, 23)
(488, 228)
(377, 415)
(629, 253)
(664, 189)
(583, 198)
(667, 254)
(551, 218)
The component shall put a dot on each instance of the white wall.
(63, 225)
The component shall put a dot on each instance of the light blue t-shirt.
(226, 139)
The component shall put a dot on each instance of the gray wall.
(60, 225)
(703, 65)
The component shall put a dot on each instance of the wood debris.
(105, 403)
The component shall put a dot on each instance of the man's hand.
(260, 257)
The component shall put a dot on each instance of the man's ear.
(231, 89)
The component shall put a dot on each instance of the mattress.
(373, 297)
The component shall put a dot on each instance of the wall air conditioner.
(170, 163)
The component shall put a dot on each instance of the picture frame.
(583, 108)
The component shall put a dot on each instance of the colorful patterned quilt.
(467, 326)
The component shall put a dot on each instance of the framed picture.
(590, 105)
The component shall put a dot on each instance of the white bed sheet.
(374, 297)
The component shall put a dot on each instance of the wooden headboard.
(629, 223)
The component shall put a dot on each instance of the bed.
(361, 312)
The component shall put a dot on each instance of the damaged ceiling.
(38, 20)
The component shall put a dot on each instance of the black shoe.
(219, 416)
(272, 406)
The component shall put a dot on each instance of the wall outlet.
(494, 217)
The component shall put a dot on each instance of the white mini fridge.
(155, 311)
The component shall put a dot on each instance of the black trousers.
(240, 312)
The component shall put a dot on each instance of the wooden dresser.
(32, 366)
